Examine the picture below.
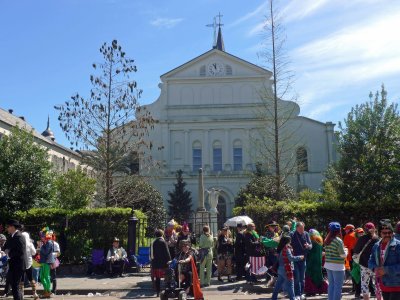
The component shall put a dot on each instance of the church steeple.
(220, 41)
(48, 133)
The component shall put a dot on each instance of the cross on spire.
(219, 16)
(218, 42)
(214, 26)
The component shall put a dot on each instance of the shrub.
(81, 230)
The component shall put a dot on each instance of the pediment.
(216, 63)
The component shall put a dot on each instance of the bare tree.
(277, 138)
(110, 123)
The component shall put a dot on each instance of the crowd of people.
(29, 262)
(295, 261)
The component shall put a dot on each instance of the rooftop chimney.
(10, 111)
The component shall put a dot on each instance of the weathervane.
(216, 25)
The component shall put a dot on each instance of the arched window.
(196, 156)
(217, 156)
(302, 160)
(237, 156)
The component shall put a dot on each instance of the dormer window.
(228, 70)
(203, 71)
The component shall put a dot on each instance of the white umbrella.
(233, 222)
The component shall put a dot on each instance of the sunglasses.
(386, 232)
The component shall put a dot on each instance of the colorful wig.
(315, 236)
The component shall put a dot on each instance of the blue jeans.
(288, 286)
(299, 273)
(335, 280)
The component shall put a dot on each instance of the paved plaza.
(138, 286)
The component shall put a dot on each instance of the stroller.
(174, 289)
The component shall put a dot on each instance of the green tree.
(369, 147)
(110, 122)
(180, 200)
(135, 192)
(25, 172)
(75, 189)
(263, 186)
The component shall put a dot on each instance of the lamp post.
(132, 222)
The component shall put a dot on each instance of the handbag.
(55, 264)
(356, 256)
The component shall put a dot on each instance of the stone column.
(200, 204)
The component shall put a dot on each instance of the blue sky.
(339, 50)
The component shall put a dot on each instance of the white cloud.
(166, 22)
(298, 10)
(294, 11)
(259, 11)
(349, 57)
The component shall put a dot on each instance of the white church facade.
(207, 113)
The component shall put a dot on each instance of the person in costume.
(185, 235)
(363, 248)
(349, 241)
(285, 270)
(335, 255)
(270, 242)
(355, 267)
(116, 256)
(206, 246)
(225, 252)
(254, 250)
(385, 262)
(184, 259)
(46, 260)
(171, 237)
(160, 256)
(53, 271)
(314, 281)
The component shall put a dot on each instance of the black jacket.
(160, 254)
(223, 245)
(16, 252)
(253, 246)
(362, 240)
(240, 249)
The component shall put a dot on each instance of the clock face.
(215, 69)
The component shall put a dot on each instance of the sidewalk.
(134, 286)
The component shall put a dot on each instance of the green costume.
(45, 277)
(314, 264)
(207, 243)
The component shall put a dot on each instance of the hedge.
(318, 214)
(80, 231)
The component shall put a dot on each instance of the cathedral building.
(207, 113)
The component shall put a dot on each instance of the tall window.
(196, 155)
(217, 156)
(302, 160)
(237, 156)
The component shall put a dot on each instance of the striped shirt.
(334, 252)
